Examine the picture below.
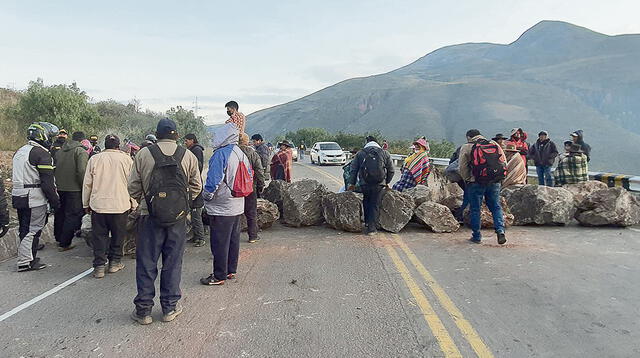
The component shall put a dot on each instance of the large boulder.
(302, 203)
(396, 210)
(438, 184)
(343, 211)
(486, 218)
(610, 207)
(581, 190)
(268, 213)
(274, 192)
(540, 205)
(419, 194)
(453, 203)
(436, 217)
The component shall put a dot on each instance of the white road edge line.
(45, 295)
(634, 229)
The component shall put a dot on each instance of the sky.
(259, 53)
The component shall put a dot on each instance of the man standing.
(544, 153)
(224, 209)
(577, 137)
(60, 140)
(106, 198)
(373, 169)
(71, 163)
(33, 188)
(482, 166)
(572, 168)
(301, 150)
(93, 139)
(251, 201)
(164, 179)
(197, 227)
(264, 152)
(235, 117)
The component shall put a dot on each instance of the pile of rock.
(609, 207)
(268, 214)
(302, 203)
(540, 205)
(486, 218)
(343, 211)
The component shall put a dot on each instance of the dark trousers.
(197, 227)
(225, 244)
(107, 246)
(251, 213)
(155, 241)
(372, 195)
(68, 218)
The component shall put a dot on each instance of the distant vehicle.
(327, 153)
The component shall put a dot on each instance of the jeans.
(490, 193)
(544, 175)
(372, 195)
(225, 245)
(155, 241)
(104, 246)
(68, 218)
(251, 213)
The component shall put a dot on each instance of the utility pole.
(196, 107)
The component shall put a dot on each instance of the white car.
(327, 153)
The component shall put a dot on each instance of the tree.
(309, 136)
(63, 105)
(188, 123)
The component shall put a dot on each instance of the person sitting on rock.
(516, 168)
(416, 167)
(573, 168)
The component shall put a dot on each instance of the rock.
(540, 205)
(302, 203)
(396, 210)
(436, 217)
(274, 192)
(486, 218)
(343, 211)
(419, 194)
(453, 203)
(268, 213)
(438, 184)
(581, 190)
(610, 207)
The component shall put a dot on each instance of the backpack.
(373, 170)
(242, 182)
(168, 196)
(486, 166)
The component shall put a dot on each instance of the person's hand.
(87, 211)
(3, 230)
(207, 196)
(351, 188)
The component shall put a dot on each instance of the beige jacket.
(105, 183)
(143, 166)
(465, 159)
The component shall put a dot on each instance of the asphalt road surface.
(317, 292)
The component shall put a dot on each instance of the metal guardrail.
(629, 182)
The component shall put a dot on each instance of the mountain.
(556, 76)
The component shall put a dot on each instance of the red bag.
(243, 181)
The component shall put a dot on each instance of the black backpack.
(486, 166)
(168, 193)
(373, 169)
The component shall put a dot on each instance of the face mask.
(229, 113)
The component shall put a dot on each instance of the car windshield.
(330, 146)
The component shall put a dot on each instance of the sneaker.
(143, 320)
(211, 281)
(501, 238)
(475, 241)
(98, 271)
(35, 265)
(371, 232)
(171, 315)
(67, 248)
(231, 276)
(256, 239)
(115, 267)
(199, 243)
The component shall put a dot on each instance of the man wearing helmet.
(33, 188)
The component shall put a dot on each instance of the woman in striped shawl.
(416, 167)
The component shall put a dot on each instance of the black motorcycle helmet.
(43, 133)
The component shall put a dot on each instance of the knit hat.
(543, 133)
(575, 148)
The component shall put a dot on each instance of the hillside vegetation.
(557, 77)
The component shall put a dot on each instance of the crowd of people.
(163, 182)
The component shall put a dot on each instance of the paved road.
(316, 292)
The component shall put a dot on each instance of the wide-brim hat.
(575, 148)
(285, 142)
(422, 142)
(514, 130)
(499, 136)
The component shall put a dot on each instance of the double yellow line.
(445, 341)
(447, 344)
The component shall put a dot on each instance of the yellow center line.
(465, 327)
(445, 341)
(330, 176)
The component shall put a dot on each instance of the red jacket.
(522, 145)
